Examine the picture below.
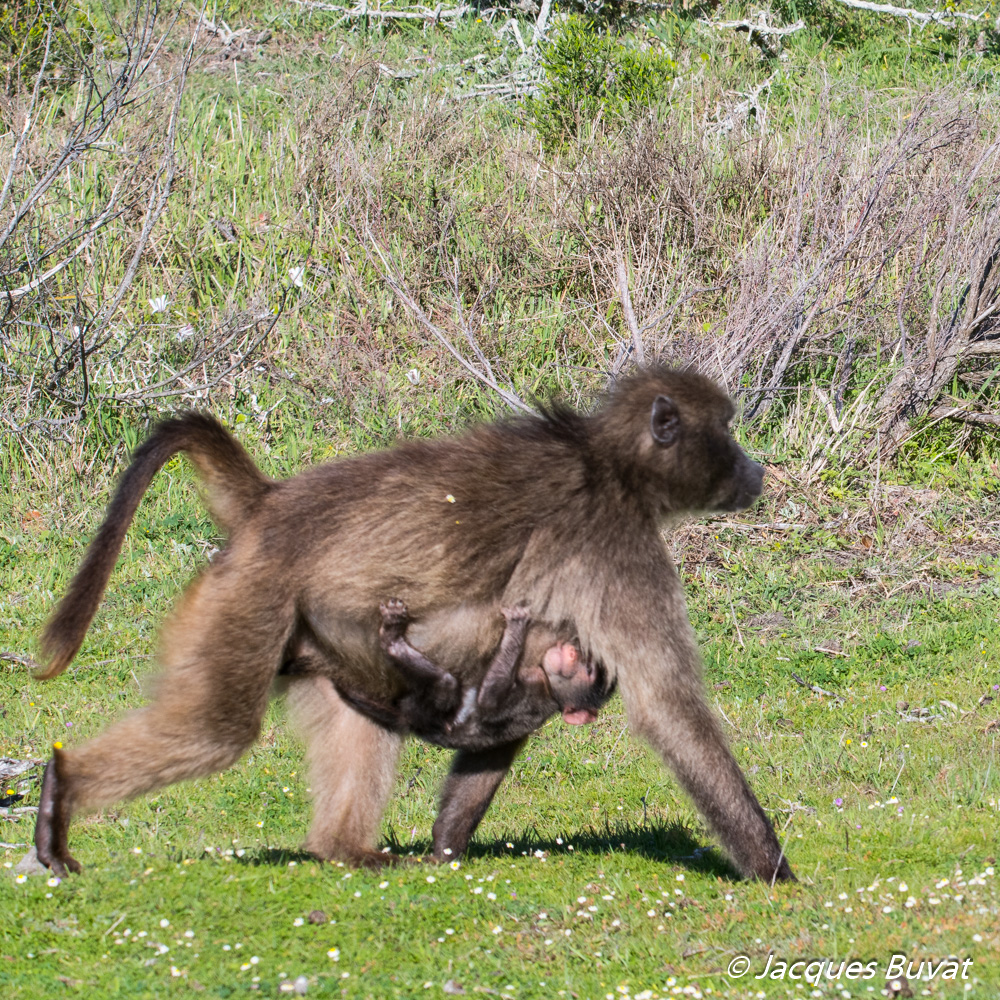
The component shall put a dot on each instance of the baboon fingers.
(518, 613)
(394, 612)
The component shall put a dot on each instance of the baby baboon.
(560, 512)
(508, 704)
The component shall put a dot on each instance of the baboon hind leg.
(352, 768)
(218, 661)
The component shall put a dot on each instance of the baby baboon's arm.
(499, 679)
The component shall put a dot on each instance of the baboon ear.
(665, 421)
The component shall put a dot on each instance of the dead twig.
(921, 17)
(11, 768)
(485, 374)
(25, 661)
(759, 32)
(630, 321)
(815, 688)
(414, 13)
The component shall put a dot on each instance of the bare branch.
(87, 237)
(28, 122)
(759, 32)
(414, 13)
(395, 282)
(543, 18)
(963, 412)
(159, 192)
(630, 321)
(923, 18)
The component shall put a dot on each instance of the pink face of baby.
(571, 680)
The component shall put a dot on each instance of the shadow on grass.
(667, 842)
(275, 857)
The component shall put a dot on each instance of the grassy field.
(331, 174)
(592, 874)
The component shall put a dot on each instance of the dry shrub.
(862, 267)
(837, 273)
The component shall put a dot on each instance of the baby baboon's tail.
(234, 485)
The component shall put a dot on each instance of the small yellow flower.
(450, 498)
(57, 745)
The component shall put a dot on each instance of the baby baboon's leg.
(392, 636)
(437, 687)
(500, 676)
(352, 767)
(218, 660)
(468, 791)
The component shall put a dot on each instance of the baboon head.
(668, 434)
(578, 685)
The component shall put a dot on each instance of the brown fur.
(560, 513)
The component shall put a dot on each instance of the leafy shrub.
(24, 30)
(591, 72)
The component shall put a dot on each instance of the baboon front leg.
(643, 635)
(438, 686)
(352, 767)
(500, 676)
(686, 733)
(468, 791)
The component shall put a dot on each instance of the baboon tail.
(234, 485)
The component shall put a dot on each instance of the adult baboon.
(559, 512)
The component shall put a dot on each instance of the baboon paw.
(356, 857)
(443, 855)
(394, 612)
(518, 613)
(51, 862)
(59, 864)
(782, 872)
(52, 822)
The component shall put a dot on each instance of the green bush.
(590, 72)
(24, 27)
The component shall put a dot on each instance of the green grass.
(864, 801)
